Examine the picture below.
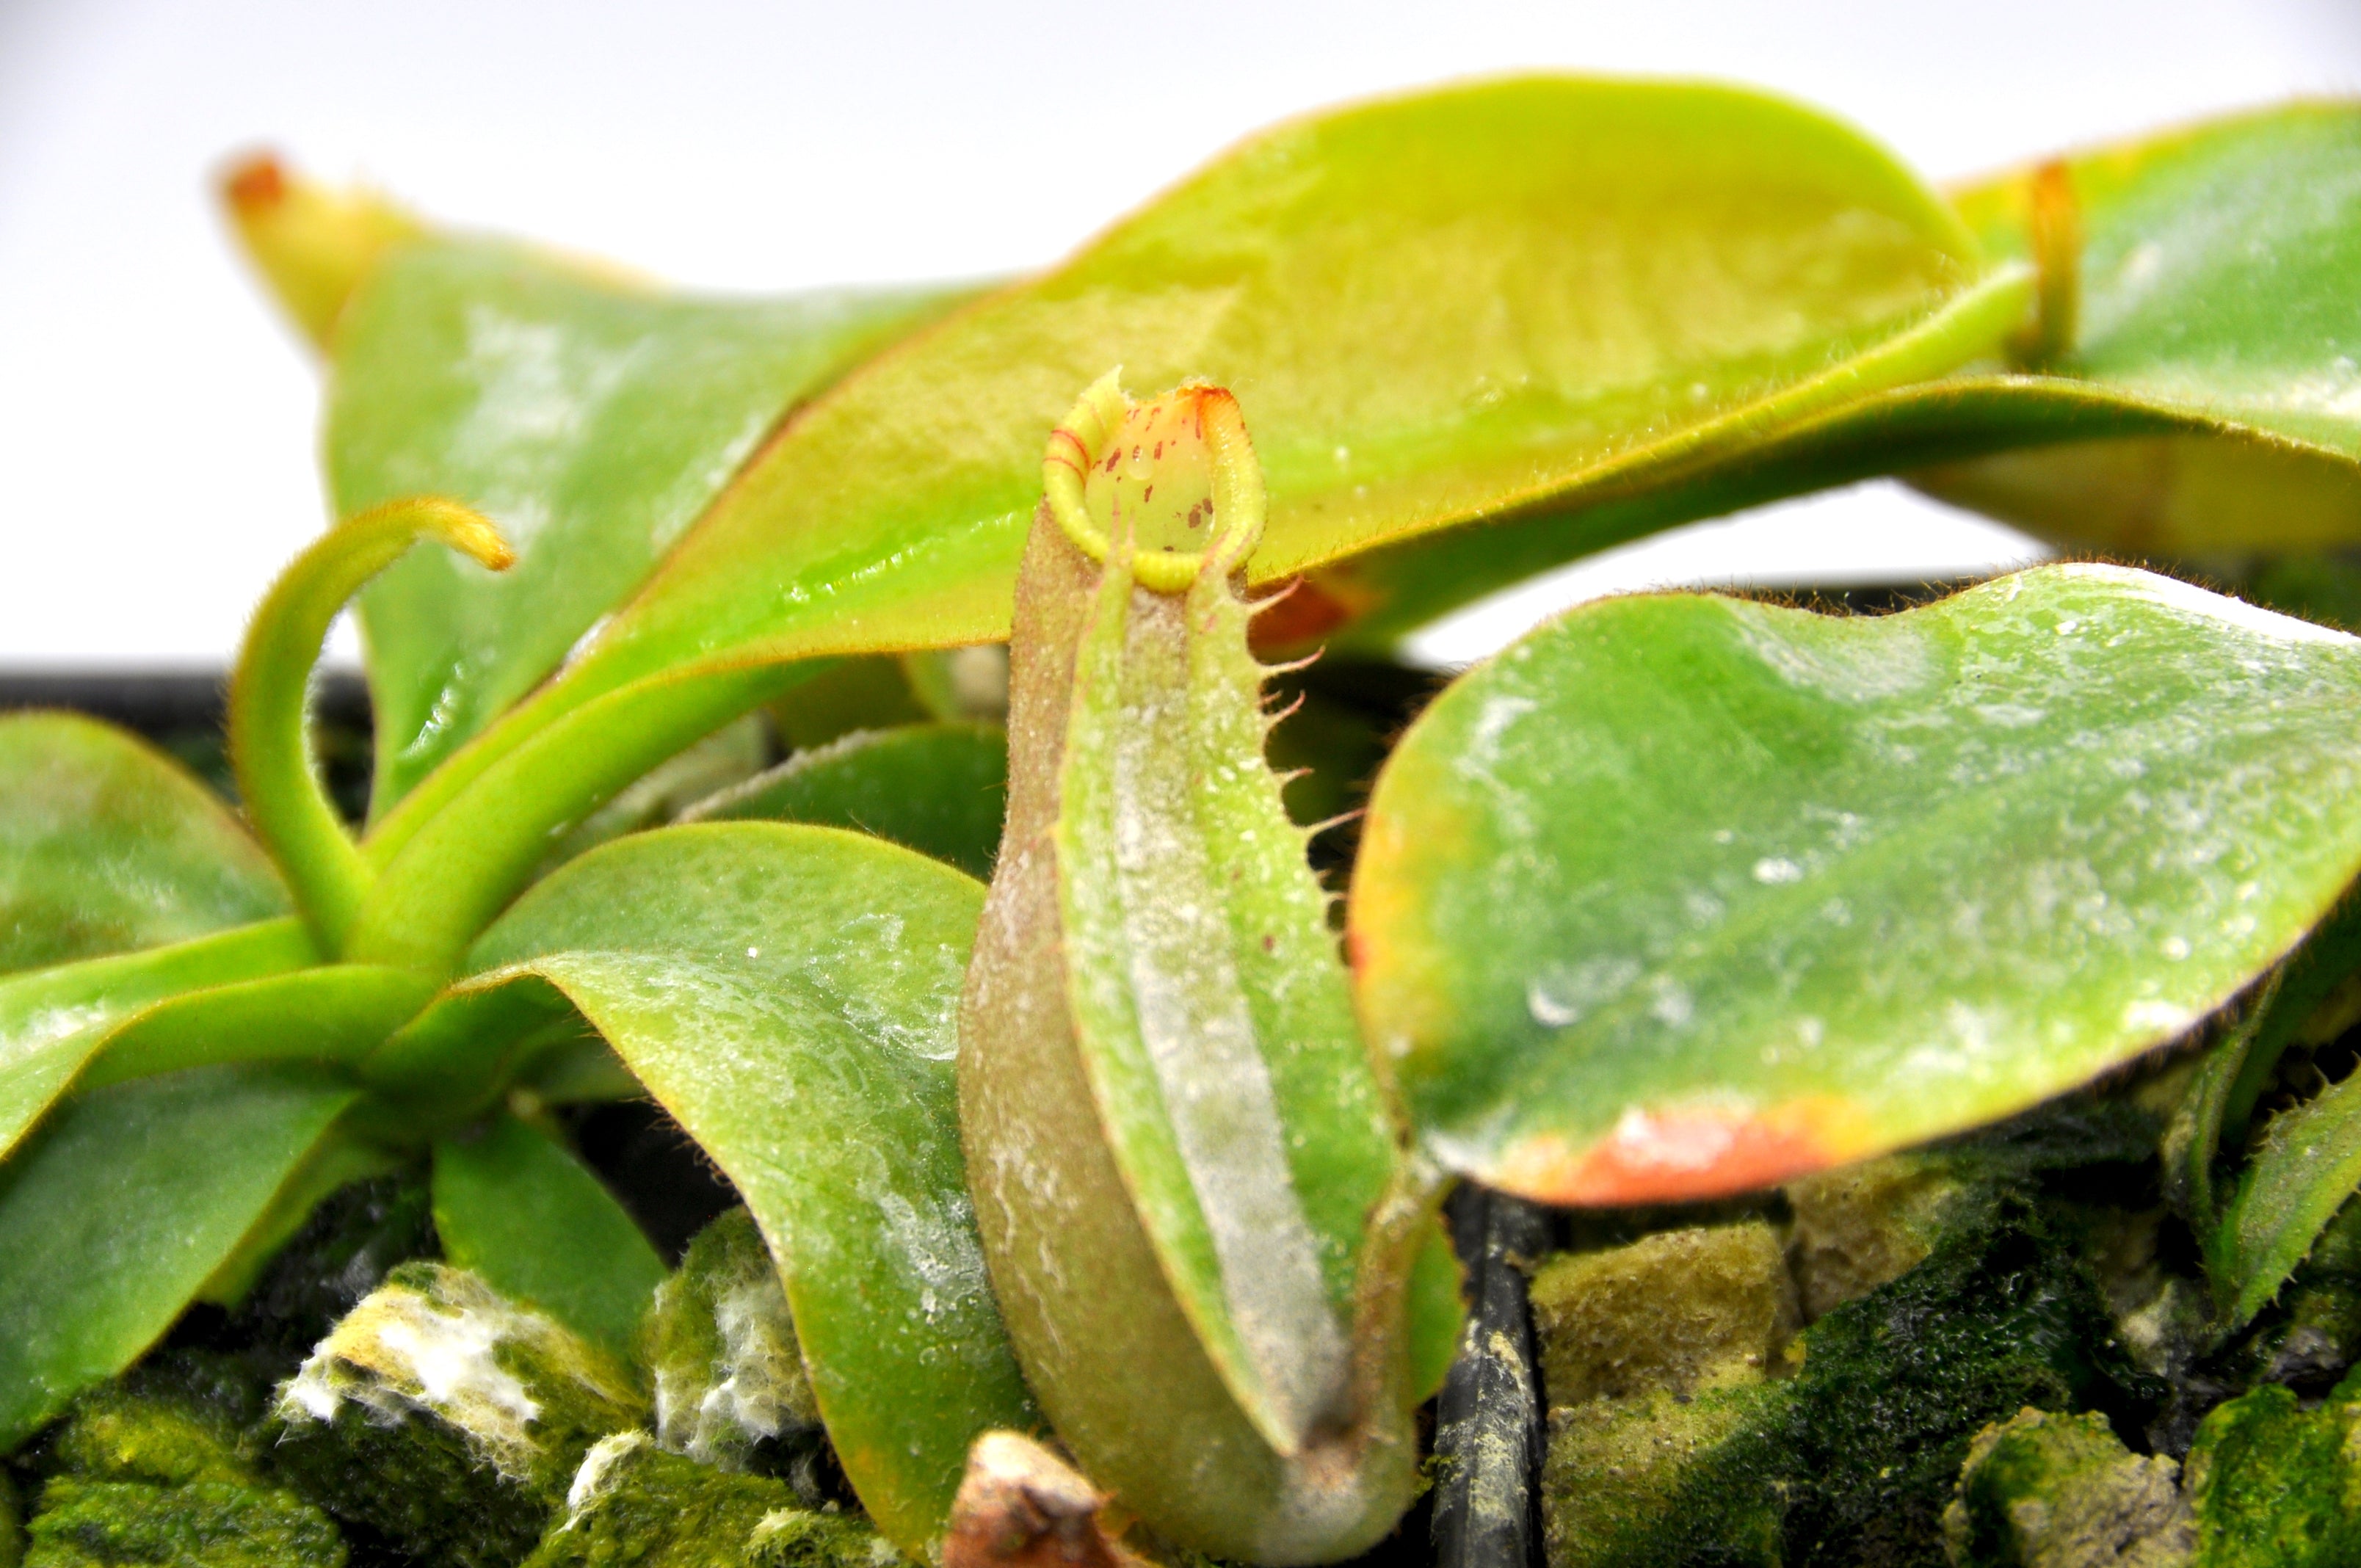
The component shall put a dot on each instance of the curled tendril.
(269, 738)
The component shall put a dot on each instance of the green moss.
(2276, 1485)
(113, 1433)
(1679, 1311)
(1862, 1225)
(203, 1524)
(12, 1524)
(804, 1538)
(179, 1416)
(1857, 1453)
(633, 1503)
(159, 1466)
(2001, 1316)
(447, 1420)
(1665, 1479)
(2055, 1491)
(721, 1350)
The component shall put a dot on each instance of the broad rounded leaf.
(129, 1201)
(516, 1207)
(1431, 307)
(106, 845)
(593, 419)
(789, 994)
(940, 789)
(2209, 405)
(1682, 895)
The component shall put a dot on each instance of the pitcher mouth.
(1089, 479)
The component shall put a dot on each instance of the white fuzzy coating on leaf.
(2222, 609)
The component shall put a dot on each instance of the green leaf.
(2221, 286)
(2217, 270)
(1434, 308)
(871, 693)
(1393, 591)
(940, 789)
(106, 846)
(2305, 1167)
(592, 418)
(1684, 895)
(512, 1204)
(788, 994)
(53, 1020)
(450, 1062)
(2209, 406)
(344, 1154)
(2213, 1112)
(113, 1219)
(468, 840)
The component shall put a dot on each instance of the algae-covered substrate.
(2001, 1351)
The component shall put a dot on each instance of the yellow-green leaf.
(1433, 308)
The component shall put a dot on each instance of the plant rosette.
(1140, 1150)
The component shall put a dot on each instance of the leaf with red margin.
(1684, 895)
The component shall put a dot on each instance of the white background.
(157, 423)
